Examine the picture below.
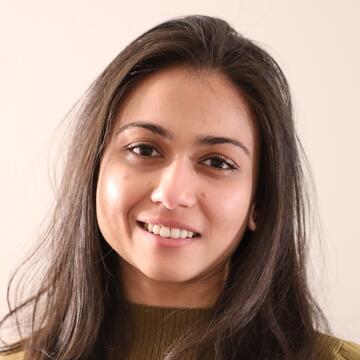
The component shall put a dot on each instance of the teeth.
(175, 233)
(165, 231)
(156, 229)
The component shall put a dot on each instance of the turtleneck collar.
(156, 328)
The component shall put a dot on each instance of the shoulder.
(329, 347)
(16, 356)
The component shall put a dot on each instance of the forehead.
(183, 99)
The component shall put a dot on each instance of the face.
(182, 154)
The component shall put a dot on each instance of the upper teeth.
(165, 231)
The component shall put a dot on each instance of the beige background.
(52, 50)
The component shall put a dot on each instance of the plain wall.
(50, 52)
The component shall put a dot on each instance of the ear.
(252, 219)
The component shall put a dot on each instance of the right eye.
(142, 149)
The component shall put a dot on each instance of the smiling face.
(182, 153)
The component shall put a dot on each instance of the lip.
(171, 223)
(164, 241)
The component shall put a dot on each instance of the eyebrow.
(200, 140)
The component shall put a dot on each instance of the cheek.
(230, 206)
(116, 194)
(109, 195)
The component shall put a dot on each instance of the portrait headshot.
(180, 181)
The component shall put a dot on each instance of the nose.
(176, 185)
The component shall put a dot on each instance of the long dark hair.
(265, 310)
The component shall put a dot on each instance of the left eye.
(219, 163)
(143, 150)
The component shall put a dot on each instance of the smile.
(168, 232)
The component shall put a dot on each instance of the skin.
(178, 179)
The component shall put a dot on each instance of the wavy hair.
(265, 310)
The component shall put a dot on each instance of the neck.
(196, 293)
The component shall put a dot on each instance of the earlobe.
(252, 219)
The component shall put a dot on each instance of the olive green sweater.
(157, 328)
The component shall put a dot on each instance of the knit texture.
(156, 328)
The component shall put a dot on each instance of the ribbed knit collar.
(156, 328)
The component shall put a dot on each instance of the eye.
(143, 149)
(220, 163)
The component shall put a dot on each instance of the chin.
(168, 276)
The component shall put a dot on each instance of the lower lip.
(168, 242)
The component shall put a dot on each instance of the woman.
(179, 226)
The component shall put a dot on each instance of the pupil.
(145, 150)
(217, 162)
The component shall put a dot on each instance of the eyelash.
(130, 149)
